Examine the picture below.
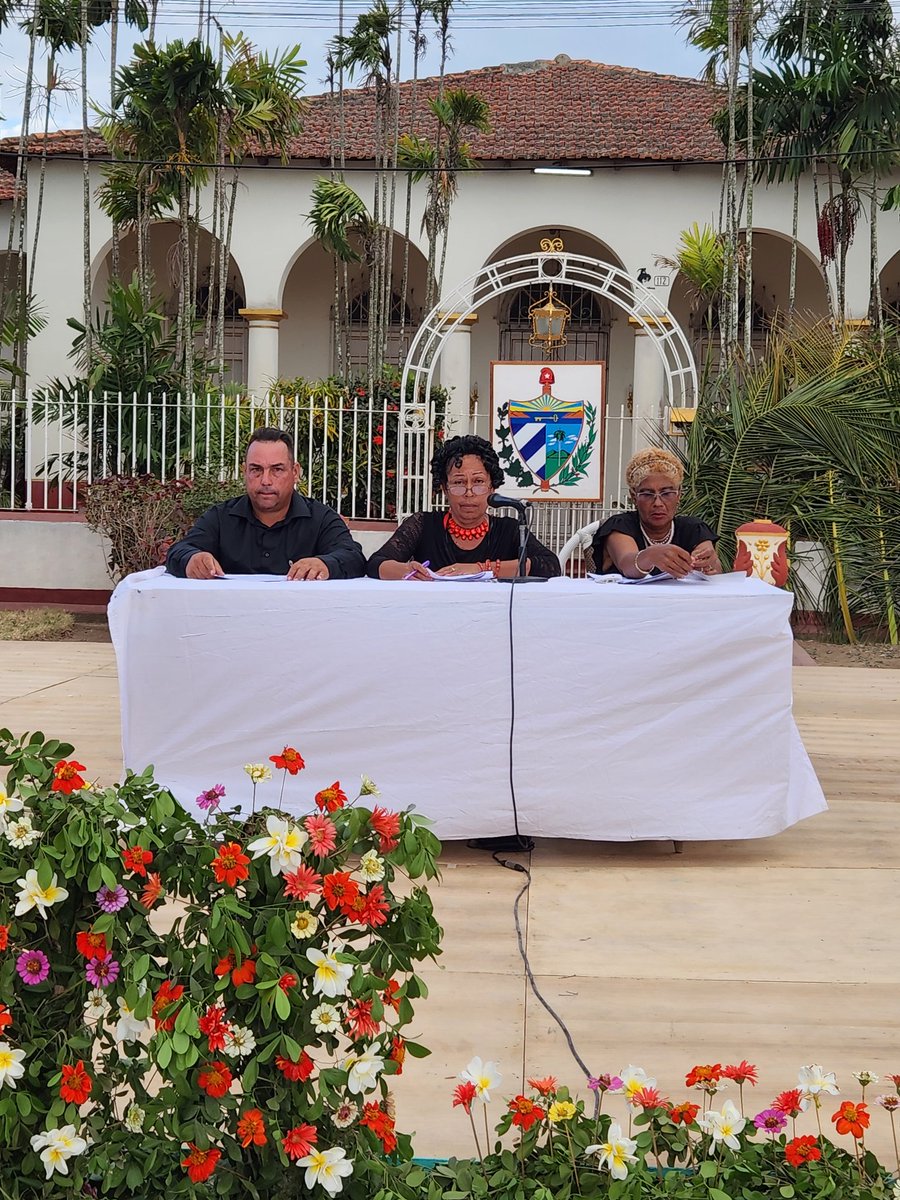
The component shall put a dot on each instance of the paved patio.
(783, 951)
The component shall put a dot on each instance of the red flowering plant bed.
(626, 1140)
(208, 1008)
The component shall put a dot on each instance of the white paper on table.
(664, 576)
(471, 577)
(613, 577)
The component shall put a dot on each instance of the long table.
(641, 712)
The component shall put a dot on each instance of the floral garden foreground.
(249, 1047)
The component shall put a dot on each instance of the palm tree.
(700, 261)
(419, 43)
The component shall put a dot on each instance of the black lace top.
(423, 537)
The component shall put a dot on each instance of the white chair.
(579, 541)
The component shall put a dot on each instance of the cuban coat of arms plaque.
(547, 428)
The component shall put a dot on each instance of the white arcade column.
(649, 388)
(456, 373)
(262, 348)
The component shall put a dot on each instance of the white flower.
(367, 787)
(57, 1146)
(344, 1115)
(128, 1028)
(329, 1168)
(326, 1019)
(484, 1075)
(21, 833)
(332, 978)
(362, 1071)
(633, 1079)
(304, 924)
(97, 1007)
(11, 1067)
(134, 1119)
(33, 895)
(258, 772)
(283, 844)
(865, 1078)
(239, 1041)
(812, 1080)
(8, 806)
(723, 1126)
(371, 867)
(616, 1152)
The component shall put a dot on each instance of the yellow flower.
(304, 924)
(561, 1110)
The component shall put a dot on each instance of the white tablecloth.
(660, 711)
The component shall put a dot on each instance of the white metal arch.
(509, 274)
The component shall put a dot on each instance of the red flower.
(231, 864)
(790, 1103)
(76, 1084)
(322, 835)
(895, 1079)
(362, 1023)
(245, 973)
(200, 1164)
(167, 995)
(398, 1053)
(252, 1128)
(743, 1072)
(4, 936)
(464, 1094)
(387, 826)
(548, 1086)
(296, 1072)
(151, 891)
(648, 1097)
(332, 798)
(703, 1076)
(375, 1118)
(66, 778)
(91, 945)
(375, 908)
(215, 1079)
(299, 1141)
(525, 1111)
(802, 1150)
(288, 760)
(136, 859)
(339, 889)
(224, 965)
(5, 1018)
(390, 995)
(302, 883)
(684, 1114)
(852, 1118)
(214, 1025)
(287, 981)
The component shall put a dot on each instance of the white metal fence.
(53, 448)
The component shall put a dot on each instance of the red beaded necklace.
(461, 533)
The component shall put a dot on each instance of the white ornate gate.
(415, 444)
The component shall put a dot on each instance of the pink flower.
(211, 797)
(112, 899)
(33, 966)
(102, 972)
(605, 1083)
(322, 835)
(772, 1120)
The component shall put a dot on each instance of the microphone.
(495, 500)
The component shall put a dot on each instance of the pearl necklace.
(652, 541)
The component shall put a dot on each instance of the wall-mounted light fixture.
(562, 168)
(643, 275)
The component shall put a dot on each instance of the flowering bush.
(193, 1008)
(551, 1145)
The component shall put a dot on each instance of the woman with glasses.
(652, 539)
(464, 538)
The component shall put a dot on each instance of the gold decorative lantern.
(548, 322)
(762, 551)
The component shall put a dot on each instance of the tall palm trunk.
(751, 167)
(113, 51)
(413, 116)
(86, 183)
(875, 303)
(795, 230)
(184, 306)
(732, 273)
(394, 117)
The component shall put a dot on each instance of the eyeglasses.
(663, 494)
(460, 489)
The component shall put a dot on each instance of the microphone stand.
(521, 576)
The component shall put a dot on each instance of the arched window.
(587, 329)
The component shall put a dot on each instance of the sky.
(635, 33)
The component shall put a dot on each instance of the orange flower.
(251, 1128)
(295, 1072)
(790, 1103)
(464, 1094)
(5, 1018)
(525, 1112)
(76, 1084)
(4, 936)
(387, 826)
(390, 995)
(151, 891)
(339, 889)
(215, 1079)
(382, 1125)
(648, 1097)
(302, 883)
(547, 1086)
(66, 778)
(332, 798)
(200, 1164)
(852, 1118)
(704, 1076)
(91, 945)
(802, 1150)
(214, 1025)
(137, 859)
(742, 1072)
(231, 864)
(167, 995)
(684, 1114)
(245, 973)
(288, 760)
(299, 1141)
(398, 1053)
(362, 1023)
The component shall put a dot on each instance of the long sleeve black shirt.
(243, 545)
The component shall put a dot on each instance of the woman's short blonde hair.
(653, 461)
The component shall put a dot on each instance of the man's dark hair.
(451, 453)
(268, 433)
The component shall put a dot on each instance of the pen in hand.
(412, 574)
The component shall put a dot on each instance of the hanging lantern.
(548, 322)
(762, 551)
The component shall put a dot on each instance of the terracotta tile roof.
(540, 111)
(7, 186)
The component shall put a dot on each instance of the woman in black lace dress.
(465, 538)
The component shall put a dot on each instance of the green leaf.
(282, 1004)
(708, 1169)
(141, 967)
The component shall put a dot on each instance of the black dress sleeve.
(204, 535)
(544, 562)
(401, 547)
(626, 523)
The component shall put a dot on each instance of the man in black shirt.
(273, 530)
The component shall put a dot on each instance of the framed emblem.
(547, 428)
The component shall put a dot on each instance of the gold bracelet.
(637, 567)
